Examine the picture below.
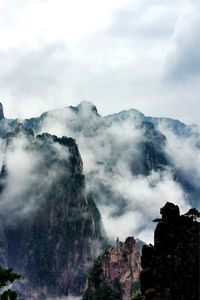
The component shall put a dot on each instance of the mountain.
(50, 228)
(170, 268)
(133, 163)
(115, 274)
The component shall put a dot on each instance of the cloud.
(67, 56)
(36, 75)
(55, 21)
(35, 295)
(140, 54)
(183, 151)
(110, 151)
(144, 20)
(29, 176)
(183, 61)
(65, 298)
(21, 167)
(143, 196)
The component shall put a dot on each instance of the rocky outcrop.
(151, 148)
(54, 232)
(115, 274)
(171, 266)
(1, 112)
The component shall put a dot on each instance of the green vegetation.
(101, 290)
(135, 289)
(194, 213)
(104, 292)
(137, 296)
(96, 273)
(7, 276)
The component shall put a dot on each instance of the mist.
(110, 151)
(127, 197)
(28, 176)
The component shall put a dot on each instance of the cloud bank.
(31, 167)
(118, 54)
(111, 155)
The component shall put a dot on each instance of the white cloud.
(184, 152)
(65, 298)
(183, 58)
(119, 54)
(21, 167)
(143, 197)
(28, 176)
(34, 23)
(128, 203)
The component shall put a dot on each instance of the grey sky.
(118, 54)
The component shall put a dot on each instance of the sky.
(118, 54)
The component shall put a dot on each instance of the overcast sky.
(118, 54)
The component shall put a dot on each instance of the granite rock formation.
(170, 268)
(115, 274)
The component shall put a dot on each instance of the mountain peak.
(20, 129)
(126, 115)
(85, 107)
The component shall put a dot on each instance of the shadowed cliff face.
(50, 228)
(115, 274)
(171, 266)
(1, 112)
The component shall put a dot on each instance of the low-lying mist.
(110, 150)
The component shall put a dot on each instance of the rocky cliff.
(1, 112)
(115, 274)
(171, 267)
(50, 228)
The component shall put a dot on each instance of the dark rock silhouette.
(170, 268)
(1, 112)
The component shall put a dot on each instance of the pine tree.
(7, 276)
(194, 213)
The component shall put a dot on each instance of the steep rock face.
(1, 112)
(50, 228)
(116, 273)
(171, 266)
(152, 155)
(3, 122)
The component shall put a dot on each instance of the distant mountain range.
(131, 146)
